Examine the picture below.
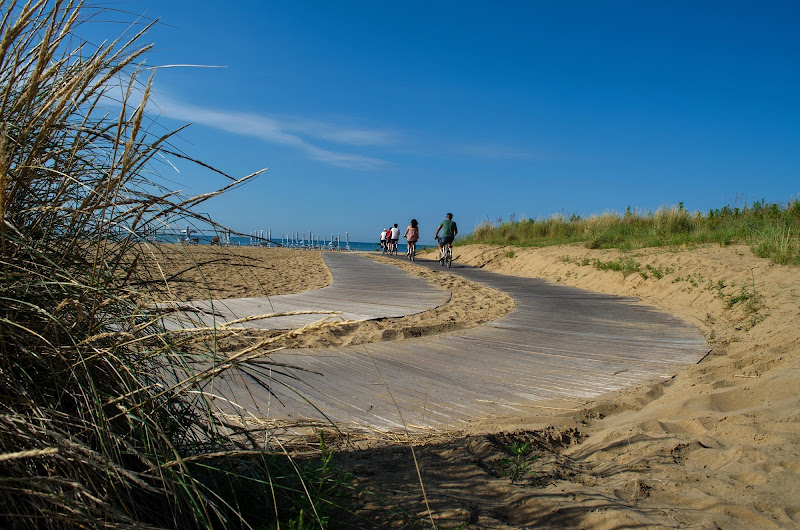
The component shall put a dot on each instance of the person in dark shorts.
(383, 240)
(395, 235)
(449, 231)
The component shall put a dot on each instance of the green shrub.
(772, 230)
(776, 242)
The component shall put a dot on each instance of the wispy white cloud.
(297, 134)
(314, 137)
(337, 133)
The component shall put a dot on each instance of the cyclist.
(412, 236)
(383, 241)
(449, 231)
(393, 234)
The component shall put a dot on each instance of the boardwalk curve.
(560, 342)
(359, 291)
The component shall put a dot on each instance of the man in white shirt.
(394, 236)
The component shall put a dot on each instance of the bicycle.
(412, 250)
(448, 256)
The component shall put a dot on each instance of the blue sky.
(370, 113)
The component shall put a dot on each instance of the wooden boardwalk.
(560, 342)
(359, 292)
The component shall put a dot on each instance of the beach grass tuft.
(106, 418)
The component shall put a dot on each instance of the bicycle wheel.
(449, 258)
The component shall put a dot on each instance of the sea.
(199, 238)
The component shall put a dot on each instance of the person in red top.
(389, 240)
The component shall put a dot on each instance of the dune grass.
(106, 418)
(772, 230)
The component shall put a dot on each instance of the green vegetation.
(748, 298)
(107, 419)
(657, 272)
(772, 230)
(745, 297)
(625, 265)
(520, 462)
(309, 490)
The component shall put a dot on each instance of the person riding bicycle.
(393, 235)
(449, 231)
(411, 235)
(383, 240)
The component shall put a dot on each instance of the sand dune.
(717, 446)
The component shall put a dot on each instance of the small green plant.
(751, 300)
(629, 266)
(658, 273)
(323, 480)
(519, 464)
(606, 265)
(510, 254)
(693, 279)
(626, 266)
(719, 287)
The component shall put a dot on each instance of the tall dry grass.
(105, 417)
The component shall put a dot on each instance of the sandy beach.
(714, 447)
(234, 272)
(200, 272)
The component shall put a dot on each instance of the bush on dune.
(772, 230)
